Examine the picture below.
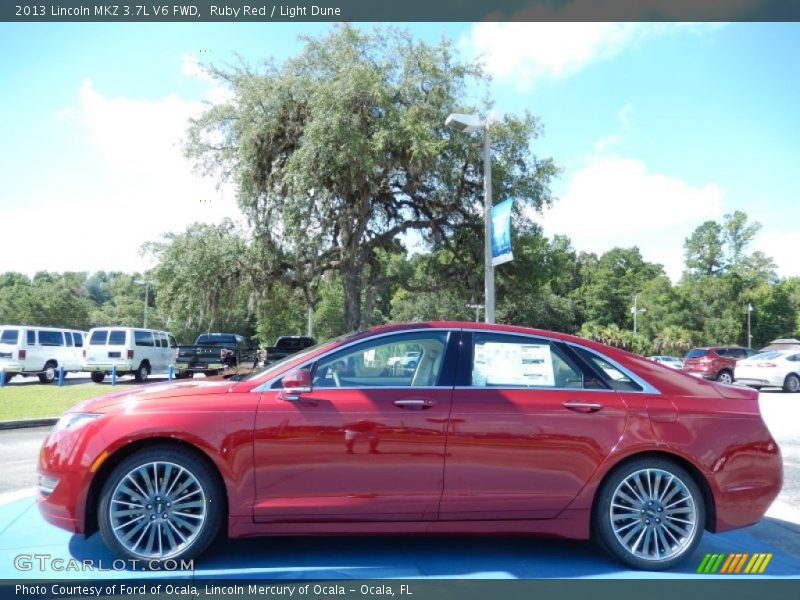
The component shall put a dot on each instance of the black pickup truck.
(287, 345)
(211, 353)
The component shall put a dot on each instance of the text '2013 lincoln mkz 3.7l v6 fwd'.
(490, 430)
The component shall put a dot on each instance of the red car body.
(717, 363)
(474, 460)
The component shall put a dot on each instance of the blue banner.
(501, 233)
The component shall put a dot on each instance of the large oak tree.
(340, 154)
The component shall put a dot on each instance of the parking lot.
(22, 531)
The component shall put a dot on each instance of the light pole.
(146, 285)
(749, 335)
(636, 310)
(468, 124)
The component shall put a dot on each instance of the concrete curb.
(22, 423)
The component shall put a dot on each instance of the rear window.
(9, 336)
(78, 339)
(99, 337)
(68, 337)
(116, 338)
(697, 353)
(51, 338)
(31, 337)
(143, 338)
(210, 339)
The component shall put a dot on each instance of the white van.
(133, 351)
(29, 350)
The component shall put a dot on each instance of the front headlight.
(74, 420)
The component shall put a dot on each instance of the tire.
(142, 373)
(187, 537)
(50, 372)
(725, 376)
(98, 376)
(791, 383)
(627, 526)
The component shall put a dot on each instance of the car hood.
(152, 393)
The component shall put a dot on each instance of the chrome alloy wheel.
(157, 510)
(653, 515)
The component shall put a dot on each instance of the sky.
(656, 127)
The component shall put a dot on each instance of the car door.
(367, 443)
(530, 423)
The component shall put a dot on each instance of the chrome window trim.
(647, 388)
(267, 385)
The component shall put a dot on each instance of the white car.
(30, 350)
(775, 368)
(129, 351)
(669, 361)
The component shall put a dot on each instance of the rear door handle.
(414, 404)
(584, 407)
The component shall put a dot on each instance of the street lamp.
(469, 124)
(146, 285)
(749, 335)
(636, 310)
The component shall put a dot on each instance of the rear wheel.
(791, 383)
(49, 373)
(161, 503)
(98, 376)
(725, 377)
(649, 514)
(142, 373)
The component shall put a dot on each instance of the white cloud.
(526, 52)
(781, 245)
(137, 187)
(192, 68)
(617, 202)
(608, 141)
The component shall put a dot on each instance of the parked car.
(670, 361)
(717, 362)
(286, 345)
(771, 369)
(543, 433)
(26, 350)
(211, 353)
(129, 351)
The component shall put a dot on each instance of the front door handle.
(584, 407)
(414, 404)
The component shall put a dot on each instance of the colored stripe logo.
(742, 563)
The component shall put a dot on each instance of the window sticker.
(513, 364)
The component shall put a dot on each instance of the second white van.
(129, 351)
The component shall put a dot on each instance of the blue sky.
(658, 127)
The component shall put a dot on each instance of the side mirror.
(295, 382)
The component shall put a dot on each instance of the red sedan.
(492, 430)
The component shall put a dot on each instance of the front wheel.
(161, 503)
(791, 383)
(98, 376)
(649, 514)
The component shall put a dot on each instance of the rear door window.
(612, 376)
(31, 335)
(99, 337)
(68, 337)
(116, 337)
(9, 336)
(78, 339)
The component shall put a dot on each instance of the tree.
(704, 250)
(340, 151)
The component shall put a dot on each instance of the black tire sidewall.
(43, 378)
(602, 529)
(213, 489)
(98, 377)
(723, 373)
(790, 376)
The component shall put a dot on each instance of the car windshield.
(697, 353)
(280, 363)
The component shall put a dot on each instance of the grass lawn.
(32, 401)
